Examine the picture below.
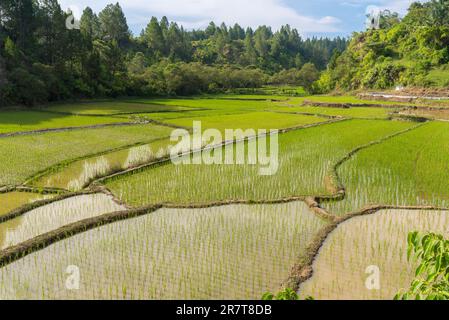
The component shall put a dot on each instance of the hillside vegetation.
(41, 59)
(413, 51)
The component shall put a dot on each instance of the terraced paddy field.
(23, 156)
(14, 121)
(53, 216)
(10, 201)
(76, 175)
(305, 168)
(107, 200)
(363, 113)
(253, 120)
(216, 253)
(340, 269)
(112, 108)
(411, 169)
(431, 114)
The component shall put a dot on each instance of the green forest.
(43, 60)
(413, 51)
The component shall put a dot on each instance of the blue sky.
(310, 17)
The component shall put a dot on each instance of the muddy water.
(54, 216)
(13, 200)
(380, 240)
(77, 175)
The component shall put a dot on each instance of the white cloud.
(399, 6)
(198, 13)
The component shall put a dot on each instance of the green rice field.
(219, 253)
(23, 156)
(139, 225)
(13, 121)
(305, 168)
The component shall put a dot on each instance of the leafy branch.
(432, 274)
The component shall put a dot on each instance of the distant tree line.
(42, 60)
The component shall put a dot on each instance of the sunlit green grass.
(411, 169)
(111, 107)
(16, 121)
(213, 104)
(305, 161)
(254, 120)
(256, 97)
(439, 77)
(372, 113)
(23, 156)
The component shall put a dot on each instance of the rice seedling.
(230, 106)
(13, 200)
(23, 156)
(18, 121)
(253, 120)
(380, 240)
(77, 175)
(410, 169)
(111, 108)
(364, 113)
(306, 158)
(230, 252)
(54, 216)
(254, 97)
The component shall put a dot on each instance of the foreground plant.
(432, 274)
(286, 294)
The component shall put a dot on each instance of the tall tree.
(165, 24)
(18, 21)
(177, 43)
(113, 24)
(52, 32)
(155, 38)
(250, 52)
(90, 25)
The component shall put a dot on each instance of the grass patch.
(439, 77)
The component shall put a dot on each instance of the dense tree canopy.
(42, 60)
(413, 51)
